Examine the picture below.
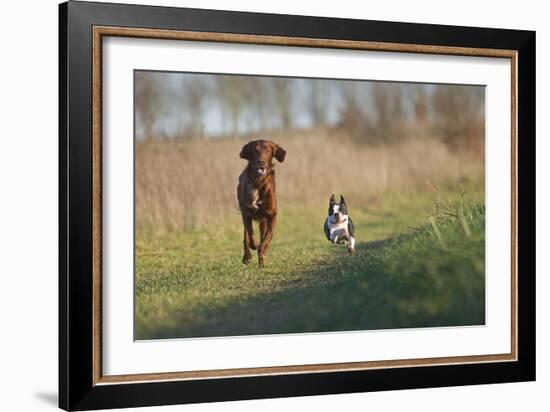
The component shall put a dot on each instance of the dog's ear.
(342, 200)
(332, 200)
(278, 152)
(246, 151)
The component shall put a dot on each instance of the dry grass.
(189, 184)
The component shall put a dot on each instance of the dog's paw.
(351, 249)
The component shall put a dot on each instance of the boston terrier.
(339, 226)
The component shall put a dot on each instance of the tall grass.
(190, 184)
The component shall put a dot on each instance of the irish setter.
(256, 195)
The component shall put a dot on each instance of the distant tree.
(382, 106)
(389, 102)
(458, 115)
(420, 99)
(192, 95)
(397, 111)
(260, 104)
(148, 101)
(230, 92)
(318, 102)
(350, 115)
(359, 114)
(282, 92)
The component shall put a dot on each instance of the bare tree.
(229, 89)
(148, 101)
(382, 106)
(318, 102)
(282, 92)
(259, 103)
(358, 113)
(420, 101)
(397, 111)
(351, 116)
(193, 93)
(255, 103)
(458, 115)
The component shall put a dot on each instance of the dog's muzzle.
(338, 218)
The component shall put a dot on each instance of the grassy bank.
(419, 262)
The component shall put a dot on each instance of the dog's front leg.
(346, 237)
(248, 241)
(351, 247)
(267, 226)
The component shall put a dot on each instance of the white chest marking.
(338, 230)
(253, 197)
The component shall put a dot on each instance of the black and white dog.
(339, 226)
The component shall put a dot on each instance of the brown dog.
(256, 194)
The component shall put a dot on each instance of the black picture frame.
(77, 390)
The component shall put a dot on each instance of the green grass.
(418, 263)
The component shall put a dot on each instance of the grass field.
(419, 262)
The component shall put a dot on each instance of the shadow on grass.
(386, 284)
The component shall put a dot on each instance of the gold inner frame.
(100, 31)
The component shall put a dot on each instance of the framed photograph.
(257, 205)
